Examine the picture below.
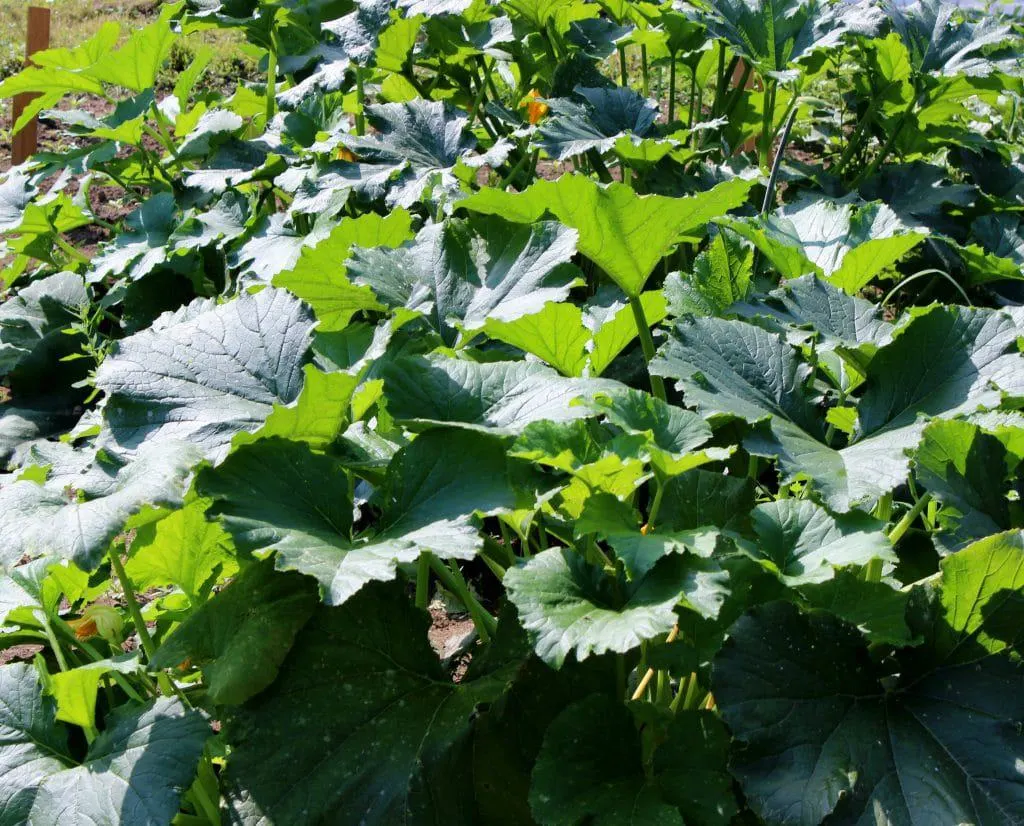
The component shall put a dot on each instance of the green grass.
(73, 21)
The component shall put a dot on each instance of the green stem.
(423, 581)
(767, 134)
(691, 691)
(452, 579)
(883, 510)
(870, 170)
(623, 77)
(857, 137)
(901, 527)
(769, 193)
(645, 73)
(737, 93)
(873, 571)
(271, 102)
(210, 809)
(361, 103)
(69, 250)
(134, 611)
(659, 493)
(722, 84)
(58, 652)
(672, 90)
(647, 345)
(693, 99)
(603, 174)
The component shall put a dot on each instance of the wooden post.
(37, 38)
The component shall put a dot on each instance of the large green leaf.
(362, 724)
(944, 362)
(846, 245)
(578, 341)
(499, 397)
(425, 139)
(623, 233)
(966, 470)
(34, 744)
(279, 496)
(319, 275)
(569, 606)
(825, 730)
(471, 272)
(240, 637)
(142, 246)
(593, 773)
(134, 772)
(808, 308)
(605, 115)
(942, 40)
(941, 362)
(668, 436)
(76, 516)
(776, 34)
(802, 543)
(31, 321)
(207, 372)
(183, 549)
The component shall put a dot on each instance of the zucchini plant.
(677, 346)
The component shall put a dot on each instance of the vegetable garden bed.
(677, 348)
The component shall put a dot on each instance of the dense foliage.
(679, 345)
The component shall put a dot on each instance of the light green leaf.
(982, 609)
(614, 327)
(136, 63)
(555, 335)
(464, 273)
(721, 276)
(623, 233)
(834, 239)
(75, 690)
(802, 543)
(319, 276)
(184, 550)
(966, 470)
(568, 606)
(318, 416)
(877, 609)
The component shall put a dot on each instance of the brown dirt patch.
(19, 653)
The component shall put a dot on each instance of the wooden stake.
(37, 38)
